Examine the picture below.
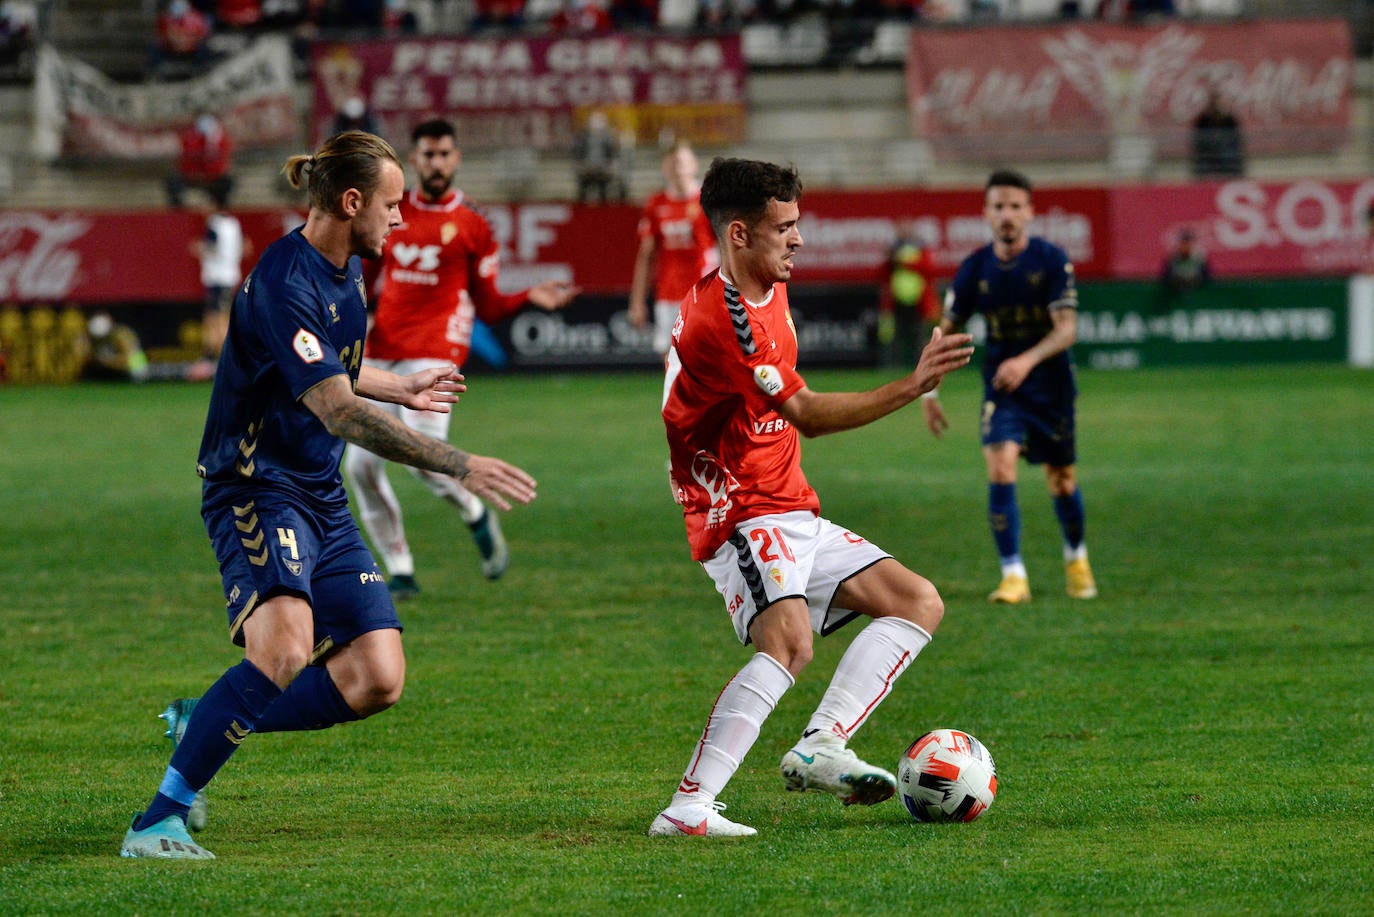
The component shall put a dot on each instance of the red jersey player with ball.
(439, 272)
(735, 409)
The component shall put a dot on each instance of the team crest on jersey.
(447, 232)
(1035, 277)
(769, 379)
(778, 579)
(307, 346)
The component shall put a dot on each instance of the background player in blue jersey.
(322, 643)
(1024, 287)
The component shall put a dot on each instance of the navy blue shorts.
(1045, 431)
(269, 545)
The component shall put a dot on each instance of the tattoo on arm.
(381, 434)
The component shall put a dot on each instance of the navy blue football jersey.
(296, 321)
(1016, 298)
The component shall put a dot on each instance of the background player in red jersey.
(676, 246)
(439, 271)
(734, 406)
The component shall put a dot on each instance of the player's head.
(741, 189)
(1007, 206)
(753, 207)
(435, 155)
(355, 177)
(680, 168)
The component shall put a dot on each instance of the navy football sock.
(224, 716)
(1071, 518)
(1004, 516)
(312, 701)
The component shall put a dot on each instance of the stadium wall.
(1123, 325)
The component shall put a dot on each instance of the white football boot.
(702, 819)
(823, 763)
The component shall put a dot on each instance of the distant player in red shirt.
(733, 408)
(676, 246)
(438, 272)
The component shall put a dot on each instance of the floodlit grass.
(1197, 740)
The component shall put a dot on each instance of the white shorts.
(430, 423)
(789, 555)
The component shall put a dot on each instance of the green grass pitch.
(1200, 739)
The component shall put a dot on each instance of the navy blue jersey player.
(1024, 288)
(305, 600)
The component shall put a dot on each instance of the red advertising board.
(1067, 90)
(146, 257)
(1248, 228)
(533, 92)
(847, 234)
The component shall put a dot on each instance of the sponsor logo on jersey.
(768, 379)
(307, 346)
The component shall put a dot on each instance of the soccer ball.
(946, 775)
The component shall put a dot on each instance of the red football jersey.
(684, 243)
(733, 455)
(439, 270)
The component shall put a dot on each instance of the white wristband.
(931, 395)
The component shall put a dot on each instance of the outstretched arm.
(819, 413)
(551, 295)
(351, 418)
(426, 390)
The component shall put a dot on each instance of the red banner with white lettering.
(1069, 90)
(1249, 229)
(534, 92)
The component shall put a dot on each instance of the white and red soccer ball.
(946, 775)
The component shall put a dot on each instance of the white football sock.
(879, 654)
(732, 727)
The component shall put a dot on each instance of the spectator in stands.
(1218, 149)
(354, 115)
(114, 352)
(182, 41)
(205, 162)
(398, 18)
(597, 154)
(582, 17)
(18, 22)
(500, 14)
(1186, 266)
